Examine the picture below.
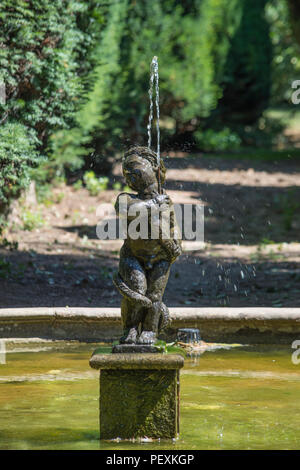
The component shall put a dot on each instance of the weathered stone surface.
(242, 324)
(137, 361)
(134, 348)
(139, 403)
(145, 262)
(139, 395)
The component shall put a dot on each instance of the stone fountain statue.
(146, 257)
(147, 402)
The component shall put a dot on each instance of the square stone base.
(139, 395)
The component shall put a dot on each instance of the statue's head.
(140, 168)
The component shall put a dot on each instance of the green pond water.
(241, 398)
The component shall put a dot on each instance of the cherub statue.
(145, 262)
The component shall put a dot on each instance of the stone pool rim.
(225, 324)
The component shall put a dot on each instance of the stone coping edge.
(178, 314)
(216, 324)
(137, 361)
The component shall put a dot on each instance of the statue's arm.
(172, 245)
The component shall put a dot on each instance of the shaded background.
(76, 77)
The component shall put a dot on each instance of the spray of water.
(154, 77)
(151, 105)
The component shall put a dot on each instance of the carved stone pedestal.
(139, 395)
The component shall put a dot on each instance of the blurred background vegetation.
(76, 76)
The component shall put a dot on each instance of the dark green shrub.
(285, 60)
(246, 78)
(213, 141)
(17, 154)
(186, 37)
(43, 57)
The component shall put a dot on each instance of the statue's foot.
(147, 337)
(129, 337)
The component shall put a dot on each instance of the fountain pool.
(241, 398)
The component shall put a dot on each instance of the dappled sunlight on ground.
(251, 255)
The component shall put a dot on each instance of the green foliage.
(42, 57)
(186, 39)
(44, 193)
(77, 185)
(211, 140)
(17, 154)
(247, 74)
(94, 184)
(210, 50)
(10, 245)
(169, 348)
(31, 219)
(38, 57)
(117, 186)
(76, 74)
(48, 197)
(285, 61)
(101, 96)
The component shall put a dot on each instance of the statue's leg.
(134, 276)
(157, 279)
